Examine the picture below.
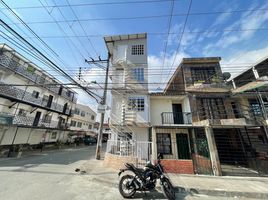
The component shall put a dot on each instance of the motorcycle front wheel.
(126, 187)
(168, 189)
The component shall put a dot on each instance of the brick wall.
(178, 166)
(118, 162)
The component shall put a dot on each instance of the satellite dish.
(226, 75)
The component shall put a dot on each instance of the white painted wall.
(157, 107)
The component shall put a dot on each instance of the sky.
(235, 30)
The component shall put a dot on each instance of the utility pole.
(103, 101)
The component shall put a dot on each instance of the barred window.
(136, 104)
(138, 74)
(137, 49)
(35, 94)
(163, 143)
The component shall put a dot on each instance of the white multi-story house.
(34, 106)
(82, 121)
(129, 73)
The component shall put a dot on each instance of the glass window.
(79, 124)
(54, 135)
(83, 113)
(35, 94)
(136, 103)
(163, 143)
(77, 111)
(92, 117)
(138, 74)
(22, 112)
(73, 123)
(137, 49)
(47, 118)
(90, 126)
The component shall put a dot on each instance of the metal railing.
(9, 119)
(213, 114)
(139, 150)
(176, 118)
(41, 80)
(20, 94)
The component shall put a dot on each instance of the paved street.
(50, 175)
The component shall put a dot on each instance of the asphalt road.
(60, 157)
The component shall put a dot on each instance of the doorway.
(37, 118)
(177, 113)
(183, 146)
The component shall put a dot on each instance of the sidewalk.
(245, 187)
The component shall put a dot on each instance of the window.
(47, 118)
(22, 112)
(163, 143)
(137, 49)
(73, 123)
(90, 126)
(35, 94)
(79, 124)
(203, 74)
(92, 117)
(83, 113)
(138, 74)
(54, 135)
(136, 103)
(77, 111)
(211, 108)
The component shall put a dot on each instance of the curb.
(196, 191)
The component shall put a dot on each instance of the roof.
(165, 94)
(249, 68)
(201, 60)
(109, 40)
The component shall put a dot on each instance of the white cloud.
(237, 64)
(158, 73)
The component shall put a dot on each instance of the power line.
(44, 43)
(90, 42)
(180, 39)
(97, 4)
(168, 30)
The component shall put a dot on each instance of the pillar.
(214, 157)
(154, 144)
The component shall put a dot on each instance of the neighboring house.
(34, 106)
(129, 117)
(82, 121)
(199, 125)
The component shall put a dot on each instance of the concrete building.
(129, 118)
(83, 120)
(201, 127)
(34, 106)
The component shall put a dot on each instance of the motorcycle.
(145, 180)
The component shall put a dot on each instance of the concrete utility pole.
(103, 101)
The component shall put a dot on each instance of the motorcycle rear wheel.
(168, 189)
(125, 189)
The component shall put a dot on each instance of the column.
(154, 145)
(214, 157)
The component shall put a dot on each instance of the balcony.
(237, 117)
(40, 80)
(8, 119)
(176, 118)
(14, 93)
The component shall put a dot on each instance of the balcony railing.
(20, 94)
(176, 118)
(8, 119)
(41, 80)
